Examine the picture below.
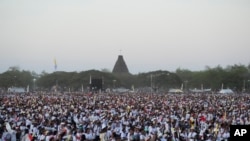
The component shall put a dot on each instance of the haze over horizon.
(152, 35)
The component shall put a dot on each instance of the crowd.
(113, 117)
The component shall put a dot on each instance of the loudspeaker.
(96, 84)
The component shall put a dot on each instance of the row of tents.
(122, 90)
(222, 91)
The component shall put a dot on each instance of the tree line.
(236, 77)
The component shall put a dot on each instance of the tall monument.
(120, 66)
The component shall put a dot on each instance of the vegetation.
(236, 77)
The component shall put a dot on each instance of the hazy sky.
(152, 34)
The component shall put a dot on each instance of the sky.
(150, 34)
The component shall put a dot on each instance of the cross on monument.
(120, 52)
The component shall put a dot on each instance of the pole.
(55, 65)
(244, 86)
(34, 87)
(151, 82)
(82, 88)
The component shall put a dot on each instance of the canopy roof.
(226, 91)
(175, 91)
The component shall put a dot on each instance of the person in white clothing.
(192, 135)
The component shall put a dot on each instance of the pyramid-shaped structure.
(120, 66)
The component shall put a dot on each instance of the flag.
(55, 64)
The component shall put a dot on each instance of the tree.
(14, 77)
(236, 77)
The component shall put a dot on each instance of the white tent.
(175, 91)
(226, 91)
(16, 89)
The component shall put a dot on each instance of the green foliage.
(231, 77)
(235, 77)
(158, 79)
(15, 78)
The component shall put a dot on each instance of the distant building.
(120, 66)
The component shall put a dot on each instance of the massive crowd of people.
(128, 116)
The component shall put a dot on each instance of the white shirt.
(225, 135)
(123, 134)
(142, 137)
(191, 136)
(90, 136)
